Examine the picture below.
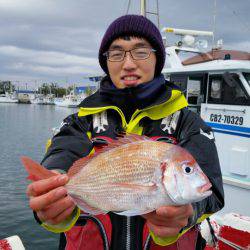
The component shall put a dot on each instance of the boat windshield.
(247, 76)
(227, 89)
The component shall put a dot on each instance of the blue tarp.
(95, 78)
(25, 91)
(80, 90)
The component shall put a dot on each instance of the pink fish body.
(134, 175)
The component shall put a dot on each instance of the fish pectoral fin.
(85, 207)
(142, 187)
(133, 212)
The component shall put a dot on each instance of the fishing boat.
(217, 85)
(69, 101)
(49, 99)
(8, 98)
(38, 99)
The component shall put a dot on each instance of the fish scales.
(136, 163)
(104, 168)
(136, 177)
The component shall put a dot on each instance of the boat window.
(227, 89)
(247, 76)
(216, 86)
(194, 90)
(180, 81)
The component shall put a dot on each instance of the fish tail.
(35, 170)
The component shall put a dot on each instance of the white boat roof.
(211, 66)
(211, 61)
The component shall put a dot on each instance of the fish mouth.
(205, 188)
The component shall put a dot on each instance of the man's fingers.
(45, 200)
(156, 219)
(175, 211)
(55, 209)
(43, 186)
(61, 217)
(176, 222)
(162, 231)
(149, 215)
(180, 221)
(170, 216)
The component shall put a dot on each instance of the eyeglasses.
(117, 55)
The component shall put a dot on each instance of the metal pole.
(158, 14)
(143, 7)
(214, 22)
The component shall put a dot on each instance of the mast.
(214, 23)
(143, 7)
(144, 11)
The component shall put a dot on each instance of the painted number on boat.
(227, 119)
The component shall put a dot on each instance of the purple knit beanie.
(138, 26)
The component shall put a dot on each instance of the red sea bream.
(133, 175)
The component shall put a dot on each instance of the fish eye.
(187, 169)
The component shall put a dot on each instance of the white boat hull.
(67, 104)
(8, 100)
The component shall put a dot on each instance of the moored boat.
(217, 85)
(8, 98)
(69, 101)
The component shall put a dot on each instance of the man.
(135, 98)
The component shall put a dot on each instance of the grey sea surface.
(24, 130)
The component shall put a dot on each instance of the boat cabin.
(219, 89)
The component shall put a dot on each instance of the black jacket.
(190, 131)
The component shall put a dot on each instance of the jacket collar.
(144, 95)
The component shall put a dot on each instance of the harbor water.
(24, 130)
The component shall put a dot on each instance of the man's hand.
(49, 199)
(167, 221)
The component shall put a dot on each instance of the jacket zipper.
(101, 227)
(128, 238)
(146, 245)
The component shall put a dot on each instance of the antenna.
(214, 22)
(128, 7)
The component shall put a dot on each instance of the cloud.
(244, 46)
(53, 38)
(47, 63)
(46, 57)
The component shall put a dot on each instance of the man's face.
(130, 72)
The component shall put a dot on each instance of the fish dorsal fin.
(79, 164)
(122, 140)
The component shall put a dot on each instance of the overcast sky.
(58, 40)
